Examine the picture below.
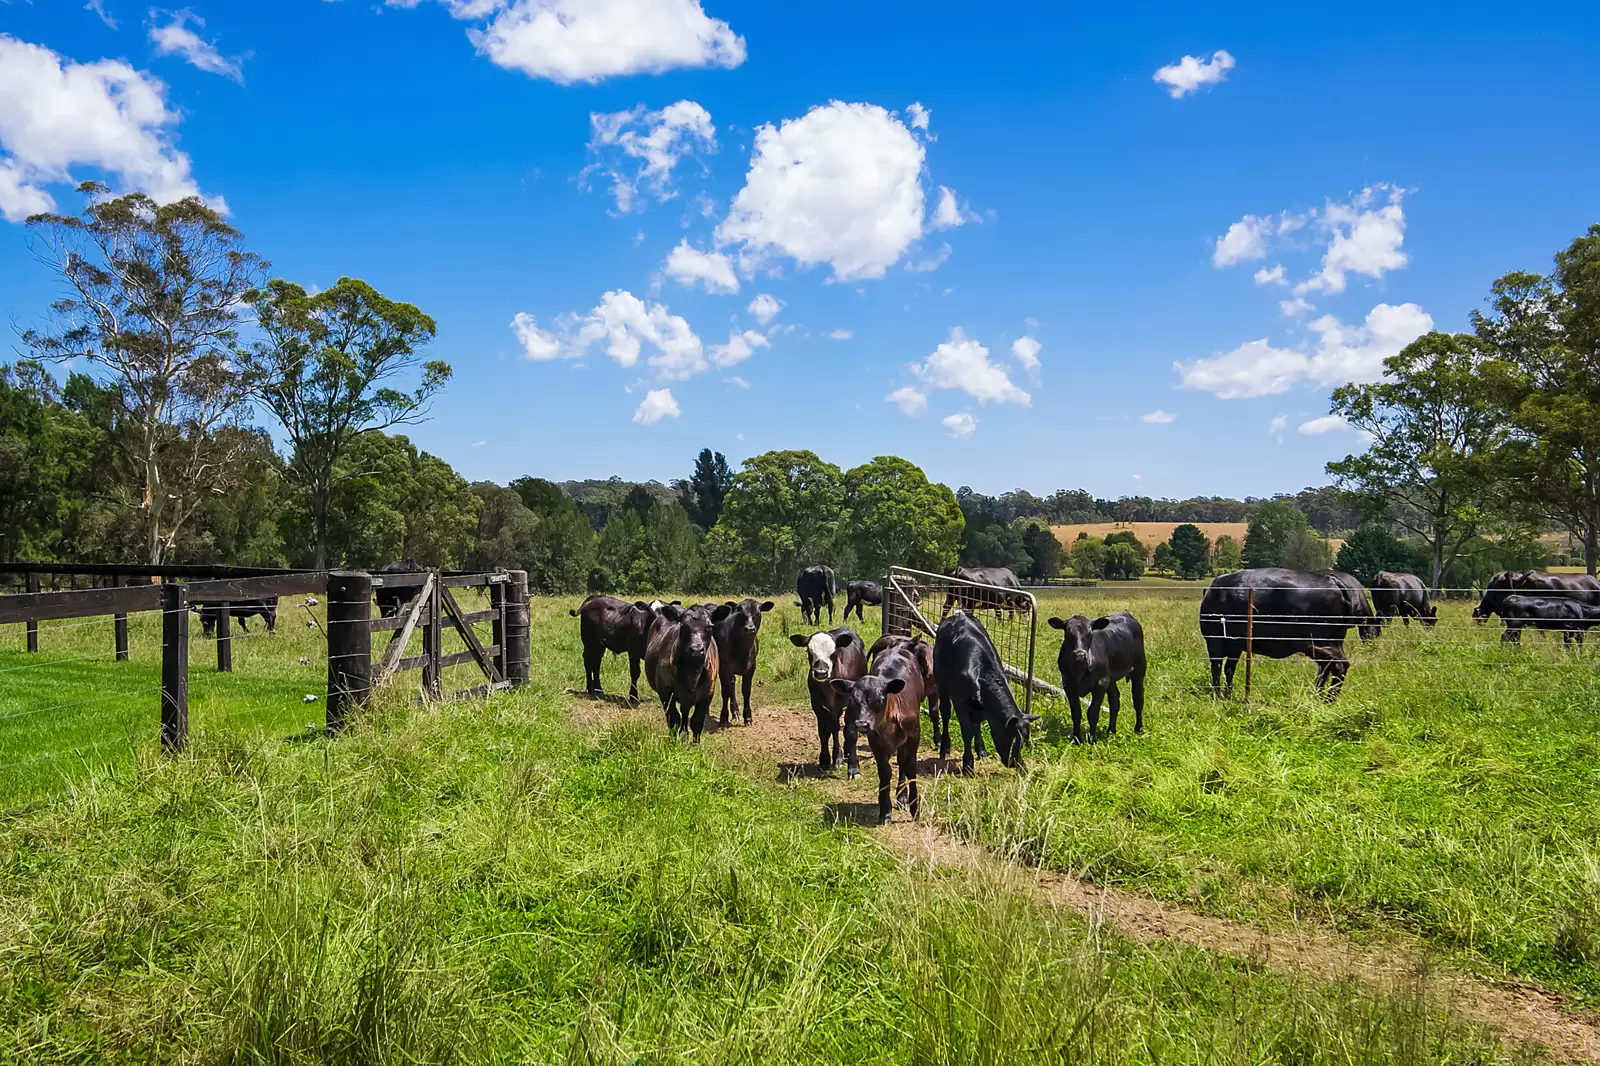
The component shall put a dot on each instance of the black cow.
(738, 641)
(1568, 617)
(815, 587)
(1403, 596)
(391, 599)
(923, 652)
(969, 598)
(859, 592)
(1371, 626)
(1297, 612)
(1094, 657)
(834, 655)
(969, 675)
(238, 611)
(681, 664)
(1579, 587)
(606, 623)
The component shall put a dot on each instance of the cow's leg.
(824, 734)
(1216, 676)
(674, 721)
(908, 776)
(727, 695)
(830, 610)
(852, 759)
(971, 729)
(1114, 700)
(633, 677)
(1094, 713)
(1137, 683)
(1077, 717)
(941, 728)
(698, 722)
(240, 619)
(1512, 634)
(746, 681)
(592, 657)
(885, 781)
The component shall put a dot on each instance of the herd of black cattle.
(686, 652)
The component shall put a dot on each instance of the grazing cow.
(391, 599)
(886, 705)
(681, 664)
(738, 640)
(833, 655)
(969, 598)
(859, 592)
(1568, 617)
(1297, 612)
(1370, 625)
(969, 675)
(815, 588)
(1579, 587)
(238, 610)
(1094, 657)
(1403, 596)
(606, 623)
(923, 652)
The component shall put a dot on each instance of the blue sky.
(467, 157)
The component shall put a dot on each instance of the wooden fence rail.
(349, 629)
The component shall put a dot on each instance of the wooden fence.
(350, 625)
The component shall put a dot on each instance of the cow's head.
(1077, 640)
(694, 630)
(1430, 615)
(865, 698)
(1014, 734)
(747, 613)
(820, 649)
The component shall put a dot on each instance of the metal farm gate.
(917, 601)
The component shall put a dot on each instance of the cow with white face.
(834, 654)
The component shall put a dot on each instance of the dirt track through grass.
(779, 747)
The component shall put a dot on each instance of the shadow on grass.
(843, 813)
(615, 699)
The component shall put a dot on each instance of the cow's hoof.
(885, 820)
(854, 774)
(748, 720)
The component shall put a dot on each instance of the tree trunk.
(319, 516)
(1438, 561)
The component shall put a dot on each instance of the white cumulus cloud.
(962, 363)
(909, 400)
(1192, 73)
(1271, 276)
(56, 114)
(1159, 417)
(840, 335)
(687, 266)
(638, 149)
(625, 325)
(1278, 425)
(960, 426)
(1295, 308)
(765, 307)
(1245, 239)
(949, 212)
(1027, 350)
(740, 347)
(918, 116)
(1326, 424)
(175, 38)
(1365, 237)
(1341, 354)
(571, 41)
(657, 404)
(840, 185)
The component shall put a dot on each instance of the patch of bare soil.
(786, 738)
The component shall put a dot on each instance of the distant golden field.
(1152, 533)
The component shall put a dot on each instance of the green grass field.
(534, 878)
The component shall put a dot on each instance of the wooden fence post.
(119, 625)
(498, 602)
(1249, 642)
(33, 627)
(349, 644)
(518, 664)
(433, 641)
(174, 668)
(224, 635)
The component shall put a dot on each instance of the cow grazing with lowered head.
(738, 639)
(833, 655)
(862, 592)
(993, 595)
(1578, 587)
(815, 587)
(1402, 596)
(1296, 612)
(238, 610)
(922, 651)
(1094, 657)
(681, 664)
(886, 705)
(971, 679)
(1568, 617)
(391, 599)
(606, 623)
